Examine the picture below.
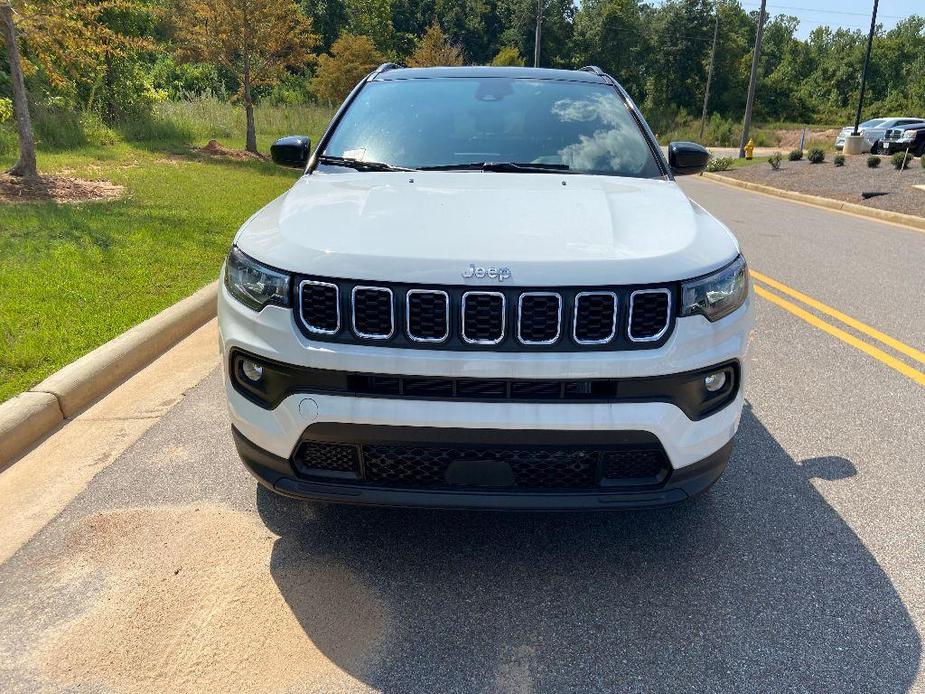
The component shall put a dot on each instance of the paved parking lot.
(168, 569)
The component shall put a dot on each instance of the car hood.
(429, 227)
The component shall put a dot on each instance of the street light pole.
(753, 78)
(539, 32)
(870, 43)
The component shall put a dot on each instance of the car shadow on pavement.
(759, 585)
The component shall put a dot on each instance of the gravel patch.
(846, 183)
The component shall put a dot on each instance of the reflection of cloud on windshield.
(614, 150)
(597, 107)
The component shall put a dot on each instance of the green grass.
(744, 163)
(74, 276)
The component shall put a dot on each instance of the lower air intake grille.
(635, 465)
(531, 468)
(649, 314)
(335, 457)
(430, 465)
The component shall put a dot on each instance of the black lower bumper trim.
(276, 473)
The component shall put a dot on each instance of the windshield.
(563, 126)
(873, 123)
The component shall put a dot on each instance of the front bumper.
(274, 434)
(277, 474)
(893, 146)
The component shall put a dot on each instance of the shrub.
(922, 161)
(795, 155)
(873, 162)
(838, 160)
(435, 49)
(352, 58)
(901, 160)
(816, 155)
(720, 163)
(508, 57)
(774, 160)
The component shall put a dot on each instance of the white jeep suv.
(486, 291)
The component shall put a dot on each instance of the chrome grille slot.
(373, 312)
(502, 319)
(428, 315)
(539, 315)
(595, 319)
(650, 314)
(319, 306)
(483, 317)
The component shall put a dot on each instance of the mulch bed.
(61, 189)
(216, 149)
(845, 183)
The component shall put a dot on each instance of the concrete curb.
(24, 419)
(34, 414)
(909, 220)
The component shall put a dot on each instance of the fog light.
(715, 381)
(252, 371)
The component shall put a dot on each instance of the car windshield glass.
(873, 123)
(554, 125)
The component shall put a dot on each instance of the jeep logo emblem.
(492, 273)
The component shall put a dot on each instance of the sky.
(852, 14)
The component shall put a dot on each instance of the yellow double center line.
(869, 349)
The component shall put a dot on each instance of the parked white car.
(874, 131)
(486, 291)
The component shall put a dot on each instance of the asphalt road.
(801, 570)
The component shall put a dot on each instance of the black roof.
(404, 73)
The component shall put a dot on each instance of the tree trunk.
(26, 166)
(251, 145)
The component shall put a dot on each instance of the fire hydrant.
(749, 149)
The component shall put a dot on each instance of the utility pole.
(870, 43)
(753, 78)
(539, 32)
(706, 94)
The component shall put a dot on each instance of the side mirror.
(291, 151)
(686, 158)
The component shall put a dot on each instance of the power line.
(817, 10)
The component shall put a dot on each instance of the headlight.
(716, 295)
(253, 284)
(908, 135)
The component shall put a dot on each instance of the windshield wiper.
(502, 166)
(358, 164)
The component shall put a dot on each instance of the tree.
(508, 57)
(352, 58)
(373, 18)
(26, 165)
(329, 17)
(474, 25)
(610, 34)
(255, 40)
(519, 21)
(71, 45)
(434, 50)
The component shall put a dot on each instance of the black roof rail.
(384, 68)
(595, 69)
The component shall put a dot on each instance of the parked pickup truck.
(909, 138)
(874, 131)
(486, 290)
